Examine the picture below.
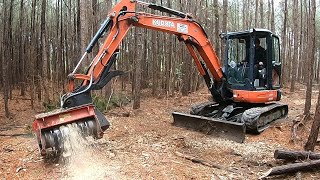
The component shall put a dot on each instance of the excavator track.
(259, 118)
(231, 120)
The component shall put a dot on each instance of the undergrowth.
(100, 102)
(116, 100)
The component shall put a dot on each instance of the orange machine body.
(255, 96)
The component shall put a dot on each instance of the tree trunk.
(244, 14)
(186, 74)
(273, 29)
(285, 74)
(261, 15)
(137, 71)
(21, 50)
(84, 27)
(269, 15)
(44, 52)
(318, 71)
(312, 139)
(306, 39)
(224, 24)
(145, 61)
(301, 39)
(155, 48)
(217, 28)
(256, 12)
(295, 44)
(6, 53)
(312, 52)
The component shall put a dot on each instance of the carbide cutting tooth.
(57, 132)
(94, 128)
(82, 128)
(57, 142)
(64, 131)
(91, 127)
(48, 139)
(87, 127)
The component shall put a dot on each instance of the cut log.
(292, 168)
(295, 155)
(203, 162)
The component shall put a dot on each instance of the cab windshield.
(238, 58)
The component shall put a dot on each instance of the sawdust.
(252, 150)
(83, 159)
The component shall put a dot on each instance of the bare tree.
(312, 52)
(316, 123)
(216, 26)
(244, 14)
(6, 52)
(256, 12)
(45, 62)
(285, 75)
(21, 50)
(261, 14)
(272, 17)
(224, 22)
(295, 45)
(137, 75)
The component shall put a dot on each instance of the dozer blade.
(212, 126)
(51, 128)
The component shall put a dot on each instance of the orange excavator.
(243, 89)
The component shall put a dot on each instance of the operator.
(260, 62)
(260, 53)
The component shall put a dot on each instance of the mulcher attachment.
(230, 120)
(50, 128)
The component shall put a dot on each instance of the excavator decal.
(162, 23)
(183, 28)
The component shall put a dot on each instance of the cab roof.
(247, 32)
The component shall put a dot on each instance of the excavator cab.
(252, 69)
(252, 60)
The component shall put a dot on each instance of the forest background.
(42, 41)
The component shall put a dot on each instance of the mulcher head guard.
(50, 128)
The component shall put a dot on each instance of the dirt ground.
(145, 145)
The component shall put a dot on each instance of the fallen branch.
(30, 152)
(201, 161)
(6, 128)
(292, 168)
(295, 155)
(13, 135)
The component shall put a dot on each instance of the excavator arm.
(124, 16)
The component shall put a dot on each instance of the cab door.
(276, 63)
